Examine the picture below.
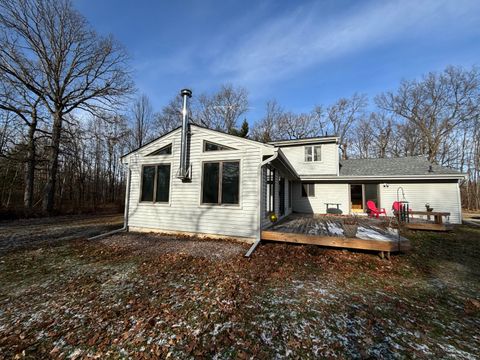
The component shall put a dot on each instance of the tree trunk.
(49, 190)
(30, 164)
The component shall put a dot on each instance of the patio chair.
(374, 211)
(396, 208)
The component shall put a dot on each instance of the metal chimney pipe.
(183, 171)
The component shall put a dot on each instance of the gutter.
(385, 177)
(125, 216)
(259, 220)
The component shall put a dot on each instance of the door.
(356, 197)
(281, 193)
(360, 194)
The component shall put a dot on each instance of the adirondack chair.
(396, 208)
(374, 211)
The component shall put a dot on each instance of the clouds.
(288, 43)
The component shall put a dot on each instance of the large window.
(156, 183)
(308, 190)
(313, 153)
(221, 182)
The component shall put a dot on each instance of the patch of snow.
(334, 228)
(367, 234)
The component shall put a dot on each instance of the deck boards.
(372, 234)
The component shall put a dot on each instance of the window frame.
(153, 202)
(204, 144)
(270, 193)
(312, 147)
(219, 189)
(153, 153)
(308, 195)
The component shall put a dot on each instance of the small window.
(156, 183)
(313, 153)
(270, 190)
(166, 150)
(221, 182)
(210, 146)
(290, 194)
(308, 190)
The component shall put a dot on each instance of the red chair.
(374, 211)
(396, 208)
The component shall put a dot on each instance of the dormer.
(313, 156)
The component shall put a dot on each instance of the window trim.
(307, 192)
(233, 206)
(153, 202)
(160, 149)
(273, 190)
(204, 143)
(313, 153)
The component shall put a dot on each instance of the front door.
(281, 193)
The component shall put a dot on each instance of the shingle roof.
(410, 165)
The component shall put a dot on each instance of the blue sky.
(301, 53)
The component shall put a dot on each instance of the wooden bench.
(437, 225)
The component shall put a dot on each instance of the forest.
(69, 109)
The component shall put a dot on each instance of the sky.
(301, 53)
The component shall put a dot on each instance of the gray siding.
(442, 196)
(184, 211)
(327, 166)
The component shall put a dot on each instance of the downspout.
(260, 188)
(125, 216)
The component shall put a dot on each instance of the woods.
(69, 110)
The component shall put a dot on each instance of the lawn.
(149, 296)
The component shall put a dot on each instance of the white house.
(199, 181)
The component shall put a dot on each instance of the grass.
(107, 300)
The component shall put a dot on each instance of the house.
(200, 181)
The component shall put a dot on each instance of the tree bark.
(30, 164)
(49, 190)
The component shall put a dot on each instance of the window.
(221, 182)
(313, 153)
(270, 190)
(308, 190)
(290, 194)
(166, 150)
(210, 146)
(156, 183)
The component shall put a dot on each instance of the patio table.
(438, 216)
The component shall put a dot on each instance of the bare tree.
(142, 121)
(342, 116)
(170, 117)
(47, 47)
(266, 129)
(436, 104)
(222, 110)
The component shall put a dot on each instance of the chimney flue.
(183, 172)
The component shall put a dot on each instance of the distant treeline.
(68, 111)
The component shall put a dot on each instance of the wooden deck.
(372, 234)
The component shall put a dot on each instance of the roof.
(410, 165)
(312, 140)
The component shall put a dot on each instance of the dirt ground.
(29, 233)
(155, 296)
